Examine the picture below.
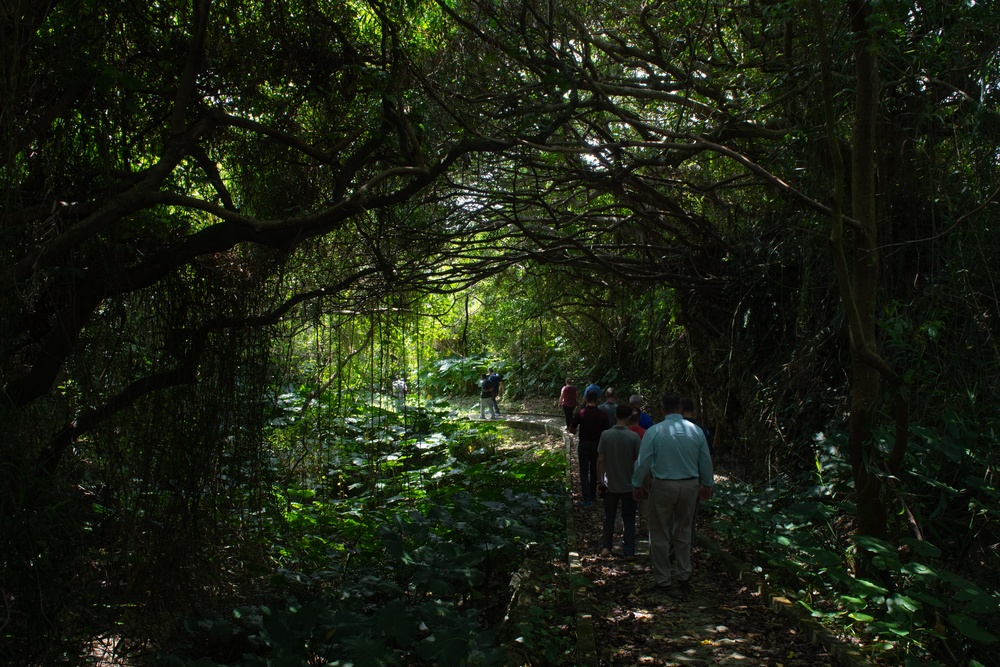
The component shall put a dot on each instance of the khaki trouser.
(671, 510)
(644, 506)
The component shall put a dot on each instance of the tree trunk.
(864, 287)
(858, 280)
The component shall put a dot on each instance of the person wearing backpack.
(486, 397)
(495, 380)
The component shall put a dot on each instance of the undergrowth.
(396, 547)
(930, 597)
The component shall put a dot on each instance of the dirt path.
(724, 621)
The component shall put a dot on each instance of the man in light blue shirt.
(676, 453)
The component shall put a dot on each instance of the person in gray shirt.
(616, 454)
(609, 406)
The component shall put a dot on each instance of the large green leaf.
(971, 629)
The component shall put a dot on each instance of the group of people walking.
(661, 469)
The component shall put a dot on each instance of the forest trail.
(622, 620)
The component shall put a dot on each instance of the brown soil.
(723, 622)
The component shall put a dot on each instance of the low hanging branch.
(184, 373)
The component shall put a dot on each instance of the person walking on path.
(675, 452)
(637, 402)
(633, 425)
(495, 381)
(589, 422)
(568, 401)
(486, 397)
(399, 391)
(616, 455)
(609, 406)
(592, 386)
(687, 411)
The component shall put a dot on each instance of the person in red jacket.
(568, 401)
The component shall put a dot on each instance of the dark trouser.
(694, 524)
(586, 451)
(628, 520)
(568, 411)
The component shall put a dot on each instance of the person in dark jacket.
(589, 423)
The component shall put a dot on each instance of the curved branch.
(212, 171)
(774, 180)
(117, 207)
(226, 119)
(184, 373)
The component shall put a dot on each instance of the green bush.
(932, 591)
(397, 574)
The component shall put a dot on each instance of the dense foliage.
(397, 539)
(226, 225)
(927, 599)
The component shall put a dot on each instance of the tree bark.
(858, 279)
(867, 381)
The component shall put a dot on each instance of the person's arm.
(642, 464)
(600, 468)
(706, 473)
(642, 475)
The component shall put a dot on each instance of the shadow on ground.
(725, 621)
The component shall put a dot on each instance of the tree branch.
(184, 373)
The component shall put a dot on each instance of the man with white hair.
(637, 402)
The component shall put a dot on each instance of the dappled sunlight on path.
(723, 622)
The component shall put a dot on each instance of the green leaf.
(826, 558)
(907, 603)
(851, 600)
(971, 629)
(921, 547)
(811, 510)
(864, 587)
(874, 545)
(927, 598)
(920, 570)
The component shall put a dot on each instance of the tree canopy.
(783, 208)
